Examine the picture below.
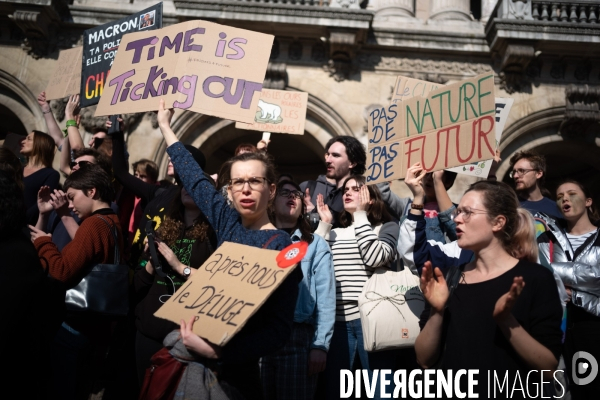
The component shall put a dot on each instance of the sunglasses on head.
(81, 163)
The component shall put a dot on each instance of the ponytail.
(523, 243)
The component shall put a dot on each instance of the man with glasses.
(528, 170)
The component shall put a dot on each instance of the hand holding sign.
(195, 343)
(414, 176)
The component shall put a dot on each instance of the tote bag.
(390, 306)
(104, 290)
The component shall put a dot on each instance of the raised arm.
(53, 128)
(72, 114)
(143, 190)
(212, 204)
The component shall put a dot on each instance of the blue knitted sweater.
(270, 327)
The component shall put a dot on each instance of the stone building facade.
(346, 54)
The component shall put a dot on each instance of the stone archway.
(19, 110)
(566, 157)
(299, 155)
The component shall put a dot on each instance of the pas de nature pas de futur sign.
(196, 65)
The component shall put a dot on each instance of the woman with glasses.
(252, 189)
(572, 250)
(367, 240)
(501, 311)
(292, 371)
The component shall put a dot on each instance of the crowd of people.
(511, 278)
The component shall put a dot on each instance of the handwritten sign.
(279, 111)
(451, 126)
(226, 291)
(407, 88)
(100, 45)
(196, 65)
(66, 78)
(481, 169)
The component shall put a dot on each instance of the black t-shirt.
(471, 338)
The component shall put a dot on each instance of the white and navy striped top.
(357, 250)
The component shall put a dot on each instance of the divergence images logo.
(581, 364)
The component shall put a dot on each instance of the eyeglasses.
(466, 212)
(255, 183)
(286, 193)
(81, 163)
(520, 172)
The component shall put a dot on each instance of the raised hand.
(364, 198)
(44, 105)
(323, 210)
(195, 343)
(164, 115)
(307, 201)
(60, 202)
(170, 257)
(505, 303)
(72, 109)
(44, 200)
(434, 287)
(414, 176)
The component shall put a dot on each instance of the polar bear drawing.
(269, 111)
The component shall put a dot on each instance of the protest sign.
(196, 65)
(481, 169)
(66, 78)
(436, 130)
(100, 46)
(226, 291)
(407, 88)
(279, 111)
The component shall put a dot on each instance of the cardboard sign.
(100, 45)
(438, 149)
(226, 291)
(407, 88)
(279, 111)
(66, 78)
(437, 130)
(481, 169)
(196, 65)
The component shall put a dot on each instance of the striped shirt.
(357, 250)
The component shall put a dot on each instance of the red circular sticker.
(292, 254)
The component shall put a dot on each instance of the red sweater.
(93, 244)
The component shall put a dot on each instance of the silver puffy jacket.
(579, 269)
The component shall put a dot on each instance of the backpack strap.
(113, 230)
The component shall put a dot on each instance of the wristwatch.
(187, 271)
(417, 206)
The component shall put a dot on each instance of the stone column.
(392, 8)
(450, 10)
(487, 6)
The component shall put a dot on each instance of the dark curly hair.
(172, 227)
(354, 150)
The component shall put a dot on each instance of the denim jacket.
(316, 295)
